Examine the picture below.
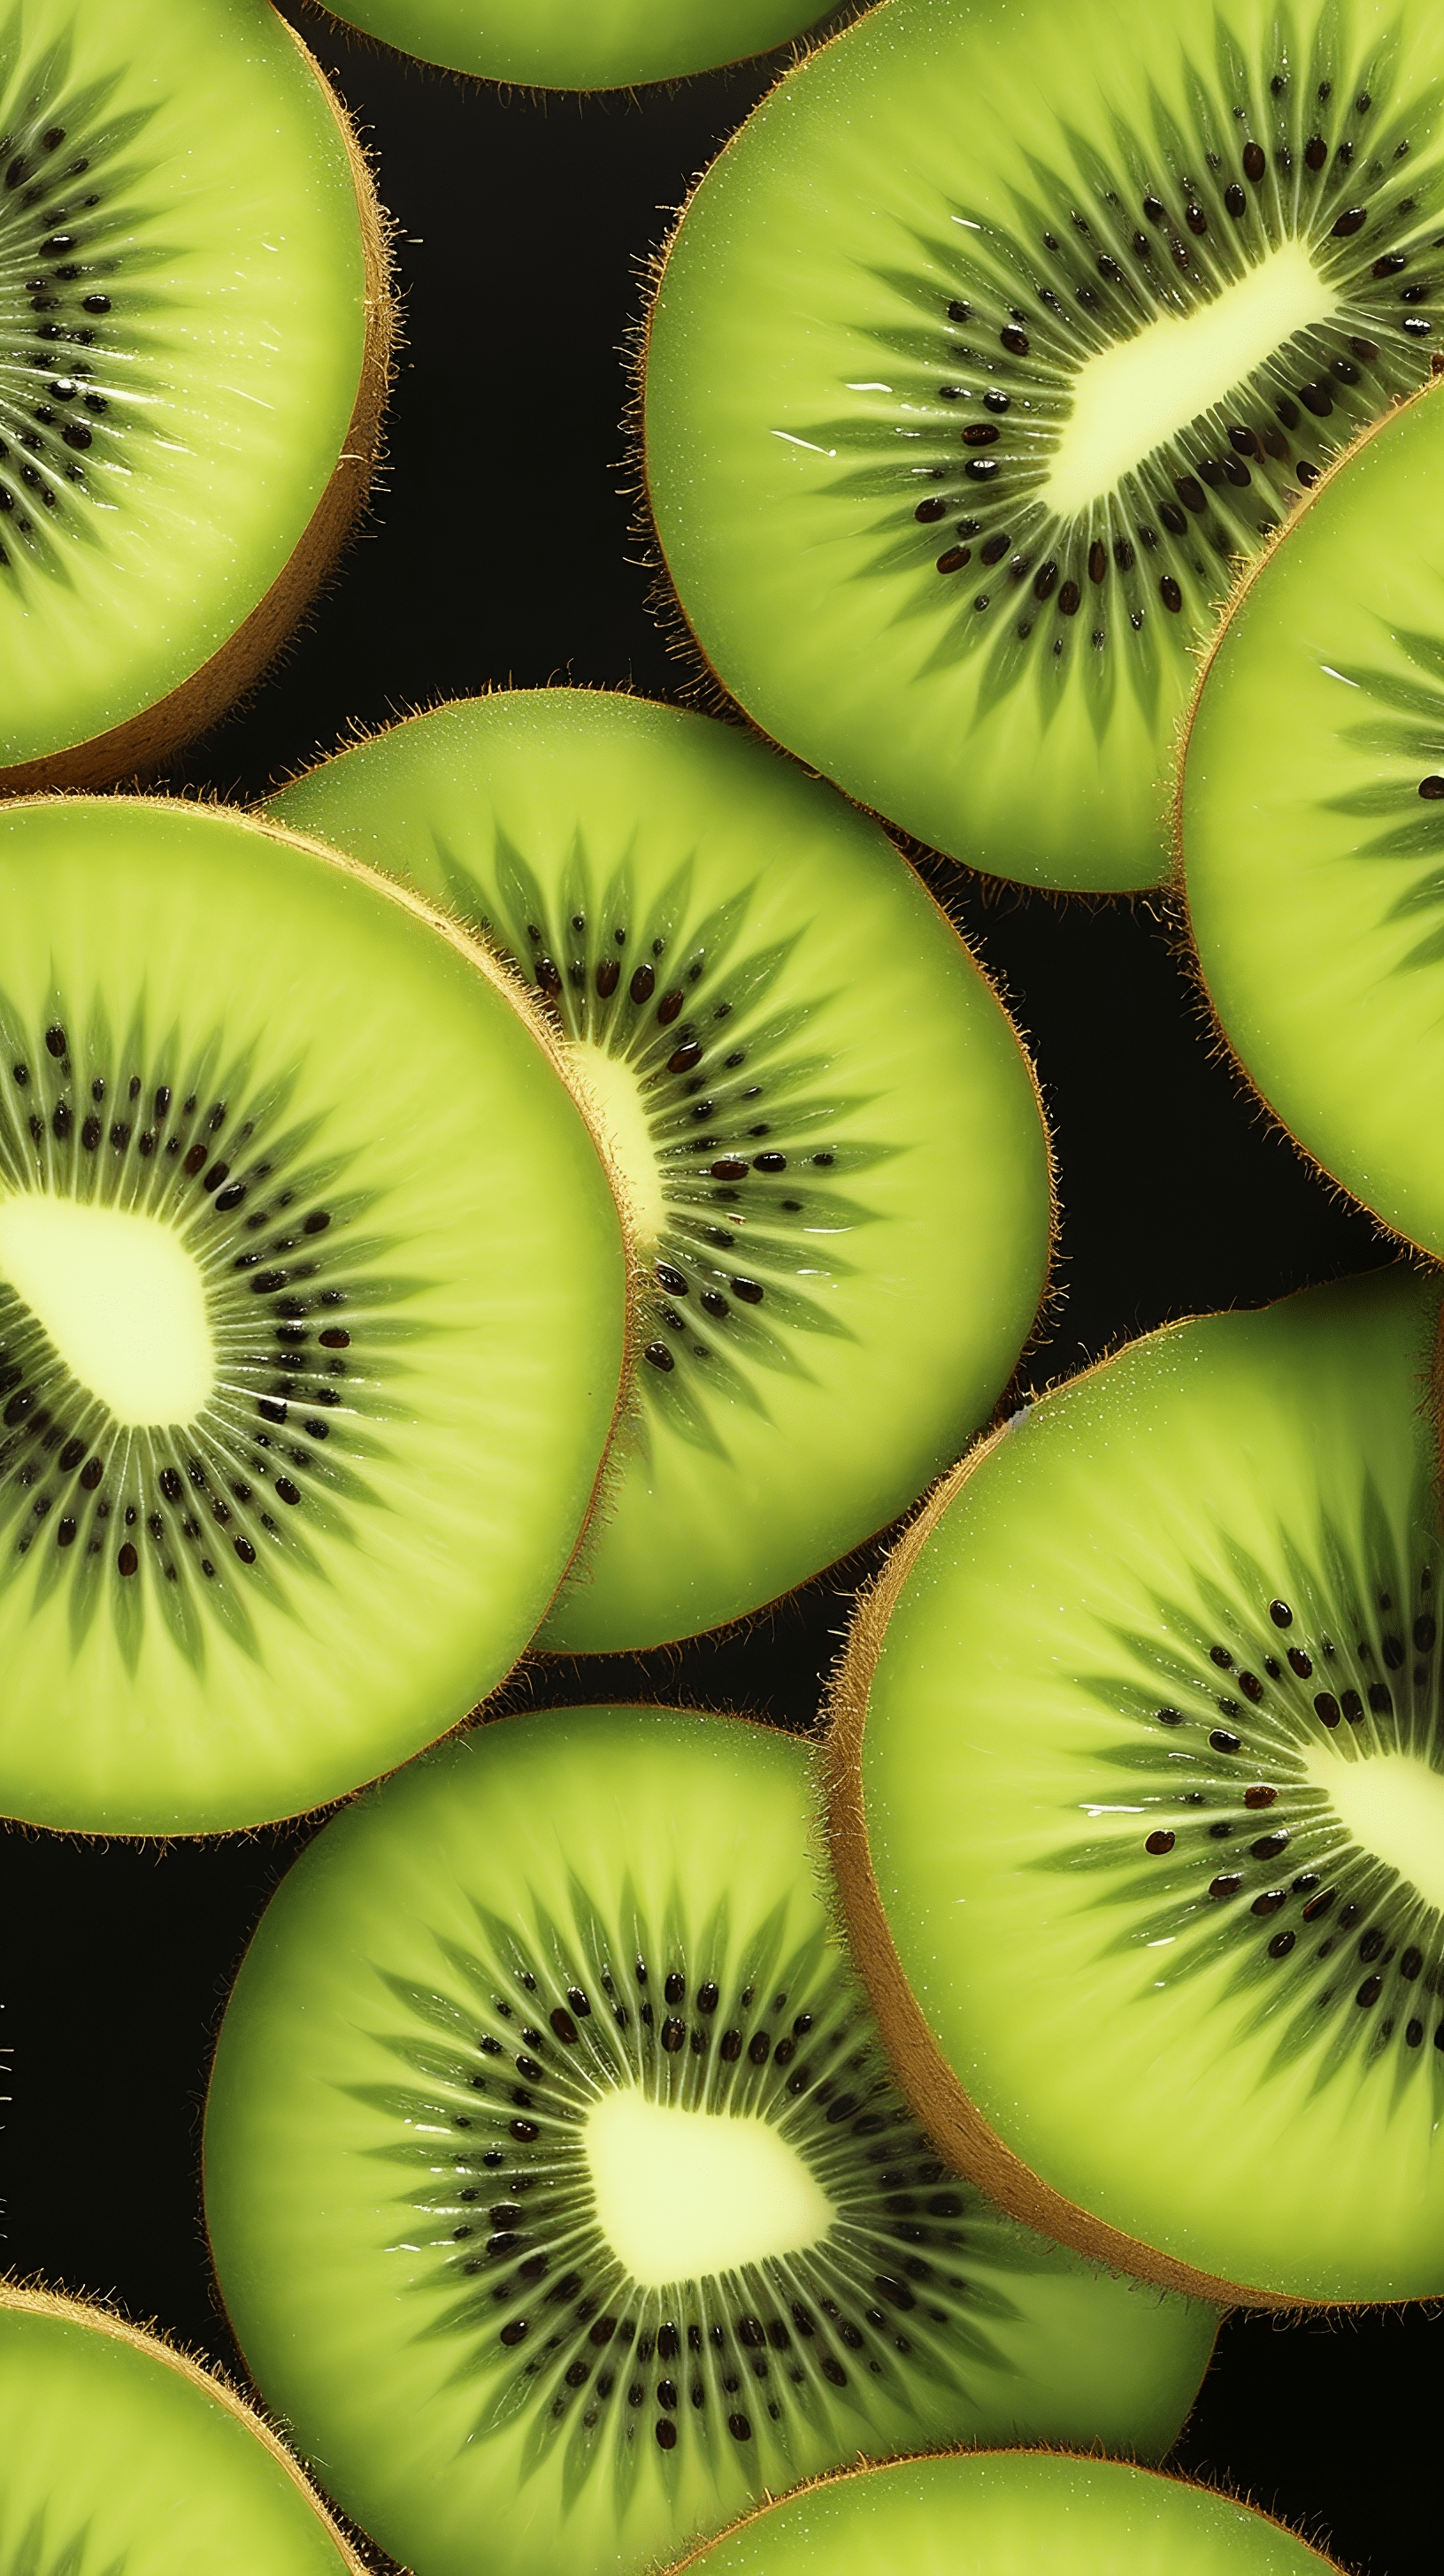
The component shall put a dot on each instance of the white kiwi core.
(617, 1098)
(681, 2193)
(1131, 397)
(1392, 1803)
(119, 1296)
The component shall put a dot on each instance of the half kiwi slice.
(194, 343)
(1312, 823)
(1005, 2514)
(829, 1132)
(581, 44)
(312, 1320)
(1137, 1798)
(120, 2456)
(559, 2190)
(987, 346)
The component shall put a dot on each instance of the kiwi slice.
(986, 347)
(581, 44)
(194, 341)
(1137, 1796)
(122, 2457)
(312, 1320)
(1312, 823)
(561, 2195)
(1007, 2514)
(829, 1131)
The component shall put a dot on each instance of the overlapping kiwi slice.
(121, 2457)
(312, 1320)
(1312, 824)
(1138, 1796)
(194, 336)
(1006, 2514)
(561, 2195)
(581, 44)
(985, 349)
(828, 1129)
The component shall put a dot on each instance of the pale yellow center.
(120, 1298)
(1131, 397)
(681, 2193)
(1393, 1804)
(617, 1099)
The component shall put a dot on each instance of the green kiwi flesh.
(581, 44)
(1009, 2514)
(1137, 1799)
(193, 350)
(984, 350)
(312, 1320)
(1312, 826)
(559, 2191)
(830, 1132)
(120, 2457)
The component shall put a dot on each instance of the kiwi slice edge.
(1050, 2471)
(137, 745)
(1245, 581)
(943, 2106)
(565, 45)
(1399, 1309)
(34, 2298)
(1336, 1047)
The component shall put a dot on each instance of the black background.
(500, 551)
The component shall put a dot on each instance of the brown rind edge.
(951, 2119)
(136, 748)
(32, 2298)
(865, 2468)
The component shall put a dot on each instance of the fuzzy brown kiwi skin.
(866, 2468)
(1173, 891)
(952, 2120)
(35, 2298)
(136, 749)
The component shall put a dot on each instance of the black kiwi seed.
(886, 2260)
(151, 1477)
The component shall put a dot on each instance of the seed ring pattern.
(187, 1522)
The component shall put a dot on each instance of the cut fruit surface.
(1008, 2515)
(312, 1320)
(118, 2454)
(987, 346)
(828, 1131)
(447, 2227)
(1135, 1751)
(194, 336)
(581, 44)
(1312, 824)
